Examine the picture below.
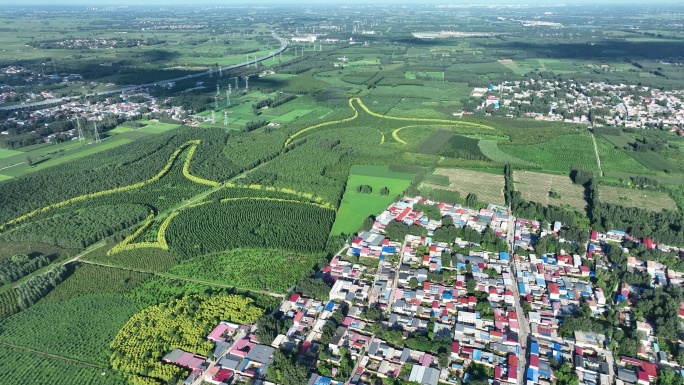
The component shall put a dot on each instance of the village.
(422, 311)
(623, 105)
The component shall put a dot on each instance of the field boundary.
(161, 242)
(164, 171)
(431, 122)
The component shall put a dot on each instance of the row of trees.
(265, 223)
(11, 269)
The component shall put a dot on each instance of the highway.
(283, 47)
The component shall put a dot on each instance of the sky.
(102, 3)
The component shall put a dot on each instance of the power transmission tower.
(246, 78)
(213, 117)
(97, 134)
(225, 118)
(80, 131)
(237, 87)
(216, 101)
(228, 96)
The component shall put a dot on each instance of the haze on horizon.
(111, 3)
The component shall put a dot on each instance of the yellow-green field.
(488, 187)
(650, 200)
(535, 187)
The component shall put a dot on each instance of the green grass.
(644, 199)
(6, 153)
(26, 368)
(379, 171)
(80, 328)
(558, 154)
(355, 207)
(621, 141)
(119, 130)
(158, 128)
(490, 149)
(85, 150)
(291, 116)
(5, 177)
(272, 270)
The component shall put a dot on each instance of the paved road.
(522, 320)
(283, 47)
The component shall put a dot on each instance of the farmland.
(488, 187)
(357, 206)
(200, 219)
(558, 154)
(650, 200)
(536, 187)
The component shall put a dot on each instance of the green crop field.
(621, 141)
(157, 128)
(613, 159)
(650, 200)
(558, 154)
(654, 161)
(250, 268)
(355, 206)
(6, 153)
(490, 149)
(63, 157)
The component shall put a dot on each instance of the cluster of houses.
(236, 354)
(567, 101)
(498, 311)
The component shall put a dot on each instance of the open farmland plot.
(488, 187)
(650, 200)
(158, 127)
(559, 153)
(614, 159)
(355, 206)
(654, 161)
(6, 153)
(490, 149)
(535, 187)
(19, 366)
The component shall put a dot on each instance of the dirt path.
(55, 356)
(598, 158)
